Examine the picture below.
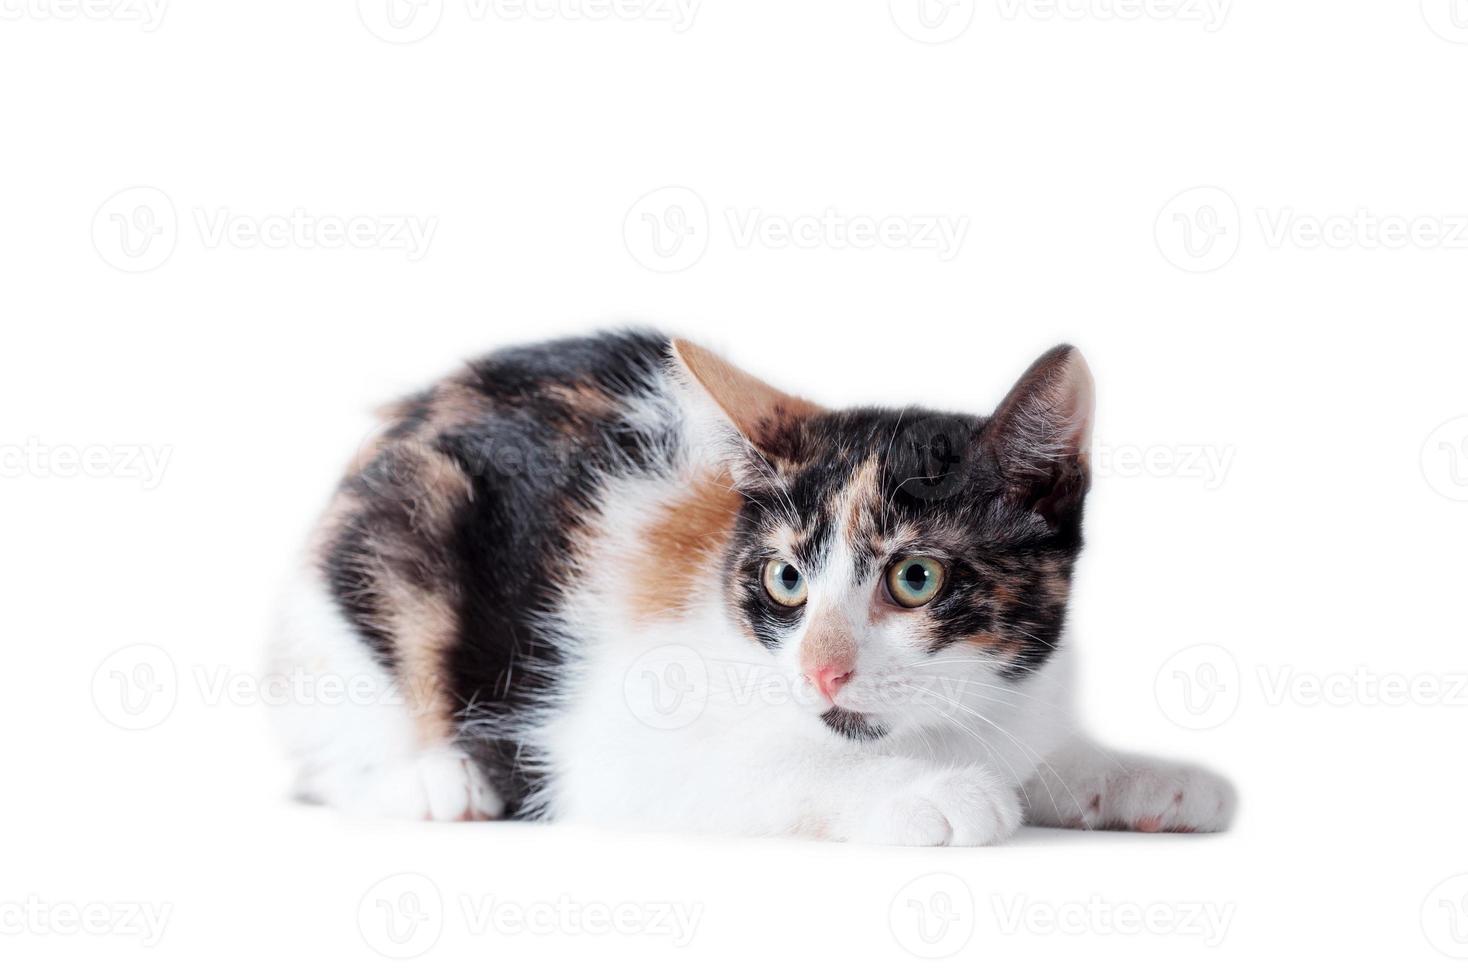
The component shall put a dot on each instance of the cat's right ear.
(1040, 436)
(733, 407)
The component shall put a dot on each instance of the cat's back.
(453, 534)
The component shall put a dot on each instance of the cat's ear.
(1040, 436)
(731, 401)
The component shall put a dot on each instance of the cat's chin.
(853, 725)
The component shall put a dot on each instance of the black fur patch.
(542, 433)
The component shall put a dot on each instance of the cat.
(617, 580)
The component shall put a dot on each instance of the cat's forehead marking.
(857, 516)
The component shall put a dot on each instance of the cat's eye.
(784, 583)
(914, 582)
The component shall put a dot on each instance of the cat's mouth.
(853, 725)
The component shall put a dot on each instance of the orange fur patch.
(680, 547)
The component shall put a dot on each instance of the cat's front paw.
(963, 808)
(1151, 796)
(1169, 797)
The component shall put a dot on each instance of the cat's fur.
(540, 587)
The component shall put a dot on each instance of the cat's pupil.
(916, 576)
(789, 577)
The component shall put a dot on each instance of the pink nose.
(829, 680)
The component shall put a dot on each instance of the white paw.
(964, 808)
(1151, 797)
(438, 784)
(1168, 797)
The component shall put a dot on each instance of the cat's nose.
(829, 680)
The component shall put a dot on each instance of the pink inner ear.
(750, 405)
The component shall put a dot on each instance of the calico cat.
(618, 580)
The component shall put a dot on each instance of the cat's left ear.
(734, 402)
(1040, 436)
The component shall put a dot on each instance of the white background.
(1320, 550)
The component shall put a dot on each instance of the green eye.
(784, 583)
(914, 582)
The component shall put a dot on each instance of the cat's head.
(891, 559)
